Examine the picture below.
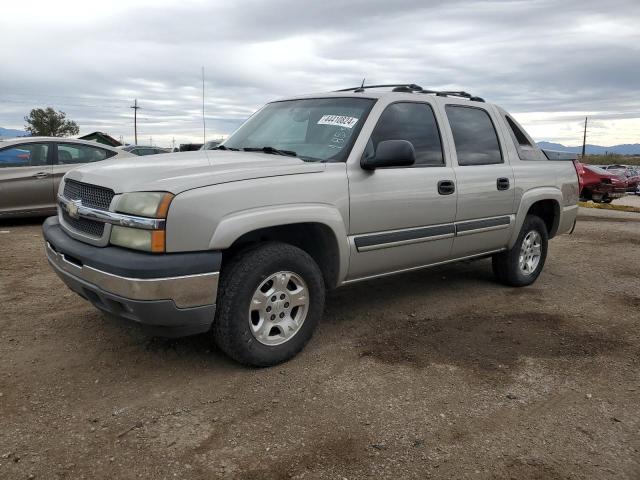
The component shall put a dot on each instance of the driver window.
(414, 122)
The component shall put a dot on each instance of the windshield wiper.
(275, 151)
(222, 147)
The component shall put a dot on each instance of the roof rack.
(413, 88)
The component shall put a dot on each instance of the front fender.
(236, 224)
(528, 199)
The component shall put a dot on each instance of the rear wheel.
(270, 300)
(522, 264)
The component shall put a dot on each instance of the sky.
(547, 62)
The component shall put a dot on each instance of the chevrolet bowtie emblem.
(72, 207)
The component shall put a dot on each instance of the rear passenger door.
(402, 217)
(485, 180)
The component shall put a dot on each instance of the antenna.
(204, 125)
(361, 89)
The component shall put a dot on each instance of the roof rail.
(412, 88)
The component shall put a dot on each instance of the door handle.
(40, 175)
(502, 183)
(446, 187)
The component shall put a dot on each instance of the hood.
(177, 172)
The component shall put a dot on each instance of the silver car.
(31, 169)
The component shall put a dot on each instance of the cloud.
(547, 62)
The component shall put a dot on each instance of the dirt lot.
(436, 374)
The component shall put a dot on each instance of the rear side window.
(526, 149)
(474, 135)
(518, 135)
(25, 155)
(71, 153)
(416, 123)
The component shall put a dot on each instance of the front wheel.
(522, 264)
(270, 300)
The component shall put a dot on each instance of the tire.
(507, 266)
(607, 199)
(249, 335)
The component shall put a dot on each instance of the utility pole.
(584, 139)
(135, 120)
(173, 144)
(204, 129)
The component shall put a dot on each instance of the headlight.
(145, 204)
(142, 204)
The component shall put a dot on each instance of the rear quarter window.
(527, 150)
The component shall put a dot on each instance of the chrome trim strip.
(480, 230)
(482, 224)
(406, 236)
(410, 269)
(75, 208)
(398, 243)
(186, 291)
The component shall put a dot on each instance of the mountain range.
(11, 133)
(624, 149)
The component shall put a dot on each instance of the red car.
(599, 185)
(632, 175)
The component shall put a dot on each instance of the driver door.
(402, 217)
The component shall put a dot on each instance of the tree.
(49, 123)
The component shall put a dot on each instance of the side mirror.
(390, 153)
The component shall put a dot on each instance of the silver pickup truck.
(311, 193)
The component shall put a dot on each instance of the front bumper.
(175, 293)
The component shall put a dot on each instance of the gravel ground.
(434, 374)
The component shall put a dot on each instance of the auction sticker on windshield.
(338, 121)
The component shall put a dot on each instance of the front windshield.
(317, 129)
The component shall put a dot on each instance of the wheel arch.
(319, 230)
(544, 202)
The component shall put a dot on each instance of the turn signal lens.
(163, 206)
(157, 241)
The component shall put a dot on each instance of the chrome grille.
(91, 195)
(84, 225)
